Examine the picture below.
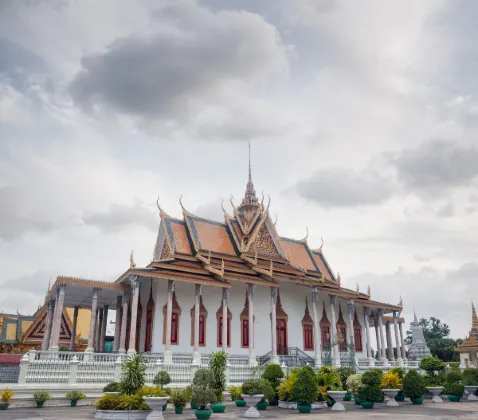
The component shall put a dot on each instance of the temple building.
(235, 285)
(418, 349)
(469, 348)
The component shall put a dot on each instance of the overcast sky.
(362, 116)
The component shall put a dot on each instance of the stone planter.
(304, 409)
(203, 414)
(416, 401)
(111, 393)
(240, 403)
(156, 404)
(218, 408)
(337, 396)
(454, 398)
(391, 394)
(4, 405)
(121, 415)
(471, 392)
(367, 404)
(251, 401)
(435, 391)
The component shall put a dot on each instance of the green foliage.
(202, 389)
(454, 388)
(7, 395)
(285, 388)
(162, 378)
(41, 396)
(344, 373)
(377, 371)
(273, 373)
(454, 366)
(253, 387)
(179, 398)
(75, 396)
(112, 387)
(453, 377)
(235, 392)
(131, 402)
(217, 365)
(432, 364)
(187, 393)
(328, 377)
(370, 389)
(133, 374)
(399, 371)
(354, 383)
(304, 390)
(371, 378)
(470, 377)
(108, 402)
(269, 393)
(414, 385)
(434, 379)
(390, 380)
(151, 391)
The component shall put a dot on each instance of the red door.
(281, 336)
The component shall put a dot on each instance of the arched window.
(245, 323)
(202, 323)
(219, 326)
(148, 340)
(128, 324)
(357, 334)
(308, 329)
(325, 328)
(342, 330)
(175, 317)
(139, 318)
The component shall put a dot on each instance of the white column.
(335, 353)
(48, 323)
(53, 321)
(225, 320)
(377, 337)
(382, 338)
(124, 322)
(317, 336)
(252, 356)
(91, 331)
(351, 309)
(367, 333)
(117, 323)
(404, 352)
(134, 313)
(397, 340)
(389, 341)
(274, 357)
(99, 331)
(58, 317)
(168, 354)
(103, 329)
(73, 329)
(197, 308)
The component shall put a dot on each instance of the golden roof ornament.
(132, 264)
(306, 235)
(339, 281)
(400, 303)
(358, 289)
(322, 244)
(369, 291)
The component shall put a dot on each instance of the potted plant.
(133, 374)
(7, 395)
(236, 392)
(401, 373)
(328, 379)
(304, 390)
(41, 397)
(391, 385)
(112, 388)
(353, 384)
(337, 394)
(370, 393)
(274, 374)
(344, 373)
(162, 379)
(454, 387)
(203, 393)
(285, 387)
(470, 380)
(217, 366)
(179, 399)
(269, 395)
(252, 393)
(414, 387)
(156, 399)
(74, 397)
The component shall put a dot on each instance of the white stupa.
(418, 349)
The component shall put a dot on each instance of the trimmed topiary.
(414, 385)
(370, 392)
(304, 390)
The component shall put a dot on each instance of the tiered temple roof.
(246, 247)
(471, 342)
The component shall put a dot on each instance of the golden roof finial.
(162, 213)
(322, 244)
(306, 234)
(232, 203)
(358, 289)
(400, 303)
(339, 281)
(369, 291)
(181, 203)
(131, 261)
(474, 318)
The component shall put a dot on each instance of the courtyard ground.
(463, 411)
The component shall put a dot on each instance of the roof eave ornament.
(369, 291)
(234, 208)
(132, 264)
(162, 213)
(357, 289)
(306, 235)
(339, 280)
(226, 214)
(400, 303)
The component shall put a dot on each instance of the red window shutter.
(325, 333)
(174, 328)
(245, 333)
(228, 332)
(219, 330)
(358, 339)
(202, 330)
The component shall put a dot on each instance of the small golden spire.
(131, 261)
(400, 303)
(474, 318)
(339, 281)
(369, 291)
(358, 289)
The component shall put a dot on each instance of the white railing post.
(158, 366)
(194, 369)
(32, 355)
(73, 370)
(228, 373)
(118, 363)
(24, 362)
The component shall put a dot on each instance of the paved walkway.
(462, 411)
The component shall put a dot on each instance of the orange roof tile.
(320, 262)
(211, 236)
(298, 253)
(180, 237)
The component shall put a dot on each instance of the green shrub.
(253, 387)
(162, 378)
(414, 385)
(235, 392)
(75, 395)
(453, 377)
(151, 391)
(131, 402)
(269, 393)
(108, 402)
(187, 393)
(354, 383)
(329, 378)
(399, 371)
(370, 389)
(344, 373)
(434, 379)
(112, 387)
(432, 365)
(133, 374)
(377, 371)
(304, 390)
(273, 373)
(285, 388)
(454, 366)
(470, 377)
(454, 388)
(41, 396)
(179, 398)
(217, 365)
(202, 389)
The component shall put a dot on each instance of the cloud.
(338, 187)
(193, 63)
(119, 216)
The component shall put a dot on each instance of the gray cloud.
(120, 216)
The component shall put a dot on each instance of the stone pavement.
(462, 411)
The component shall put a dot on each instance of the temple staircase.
(291, 357)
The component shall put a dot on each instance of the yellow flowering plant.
(7, 395)
(391, 380)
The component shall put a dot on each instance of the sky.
(362, 118)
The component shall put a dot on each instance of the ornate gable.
(263, 242)
(36, 331)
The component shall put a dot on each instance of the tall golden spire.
(250, 196)
(474, 318)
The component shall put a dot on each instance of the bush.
(253, 387)
(202, 389)
(454, 388)
(470, 377)
(304, 390)
(131, 402)
(75, 396)
(217, 365)
(162, 378)
(431, 365)
(399, 371)
(187, 393)
(179, 398)
(454, 366)
(370, 389)
(453, 377)
(354, 383)
(285, 388)
(41, 396)
(7, 395)
(274, 374)
(435, 380)
(414, 385)
(235, 392)
(112, 387)
(390, 381)
(108, 402)
(329, 378)
(151, 391)
(133, 374)
(344, 373)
